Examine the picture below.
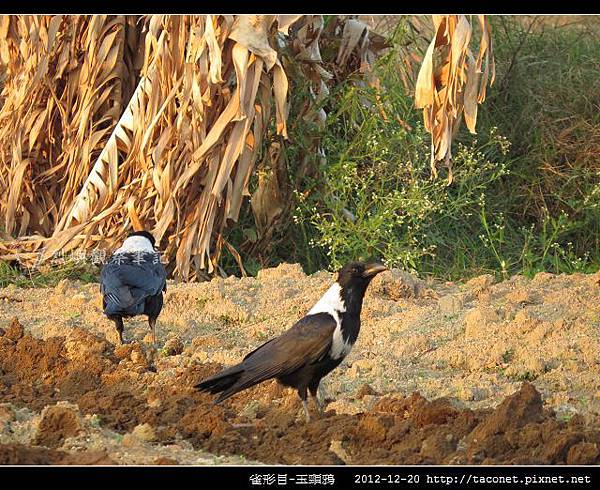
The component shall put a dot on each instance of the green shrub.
(546, 102)
(46, 275)
(505, 212)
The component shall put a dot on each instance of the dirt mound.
(151, 400)
(25, 455)
(413, 430)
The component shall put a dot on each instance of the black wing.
(307, 342)
(128, 279)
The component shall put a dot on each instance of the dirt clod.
(19, 454)
(144, 432)
(438, 446)
(366, 390)
(7, 413)
(396, 284)
(173, 347)
(15, 330)
(57, 423)
(583, 453)
(165, 461)
(524, 407)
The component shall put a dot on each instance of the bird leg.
(120, 327)
(320, 406)
(302, 395)
(322, 392)
(152, 323)
(314, 392)
(306, 412)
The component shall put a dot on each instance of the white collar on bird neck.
(136, 244)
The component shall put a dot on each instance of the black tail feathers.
(223, 382)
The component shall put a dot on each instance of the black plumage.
(311, 348)
(133, 281)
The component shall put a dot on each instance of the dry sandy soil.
(441, 373)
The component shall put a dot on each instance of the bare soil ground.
(441, 373)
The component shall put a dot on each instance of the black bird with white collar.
(132, 282)
(311, 348)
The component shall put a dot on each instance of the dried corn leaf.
(450, 83)
(158, 124)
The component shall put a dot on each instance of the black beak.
(371, 270)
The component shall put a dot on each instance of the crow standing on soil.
(132, 282)
(310, 349)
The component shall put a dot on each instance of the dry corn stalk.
(452, 82)
(177, 154)
(111, 123)
(189, 136)
(63, 92)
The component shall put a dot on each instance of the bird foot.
(320, 409)
(122, 341)
(306, 412)
(322, 394)
(320, 404)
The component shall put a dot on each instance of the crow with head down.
(311, 348)
(133, 281)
